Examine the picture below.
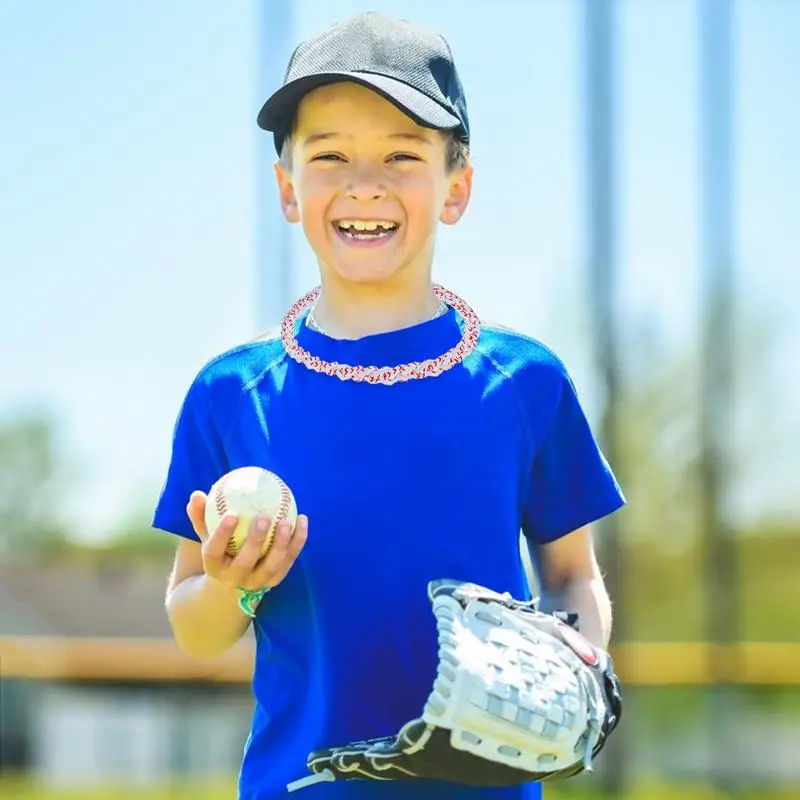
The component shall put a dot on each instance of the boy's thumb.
(196, 509)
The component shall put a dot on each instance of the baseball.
(247, 492)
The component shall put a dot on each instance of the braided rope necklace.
(430, 368)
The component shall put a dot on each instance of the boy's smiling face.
(368, 185)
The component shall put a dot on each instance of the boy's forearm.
(205, 616)
(589, 600)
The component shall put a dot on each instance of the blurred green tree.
(135, 538)
(34, 479)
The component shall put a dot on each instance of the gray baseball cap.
(410, 66)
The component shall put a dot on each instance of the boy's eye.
(403, 157)
(327, 157)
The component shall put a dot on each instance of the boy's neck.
(353, 311)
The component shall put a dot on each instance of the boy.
(418, 442)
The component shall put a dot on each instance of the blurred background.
(636, 207)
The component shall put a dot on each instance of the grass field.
(21, 789)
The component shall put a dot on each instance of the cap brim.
(277, 113)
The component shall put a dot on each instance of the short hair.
(457, 151)
(456, 157)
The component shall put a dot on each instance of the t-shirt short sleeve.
(197, 460)
(571, 483)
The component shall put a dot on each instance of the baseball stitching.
(219, 496)
(283, 508)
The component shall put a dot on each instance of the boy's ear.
(288, 198)
(458, 195)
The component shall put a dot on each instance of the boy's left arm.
(568, 578)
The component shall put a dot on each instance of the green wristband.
(249, 599)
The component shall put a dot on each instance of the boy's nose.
(365, 186)
(365, 192)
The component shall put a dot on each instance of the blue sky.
(128, 175)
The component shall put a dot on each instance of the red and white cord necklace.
(430, 368)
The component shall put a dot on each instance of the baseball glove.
(519, 696)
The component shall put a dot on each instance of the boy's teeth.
(366, 225)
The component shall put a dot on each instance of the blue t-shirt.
(425, 479)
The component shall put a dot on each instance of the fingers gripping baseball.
(249, 568)
(286, 547)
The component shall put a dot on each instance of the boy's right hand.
(248, 569)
